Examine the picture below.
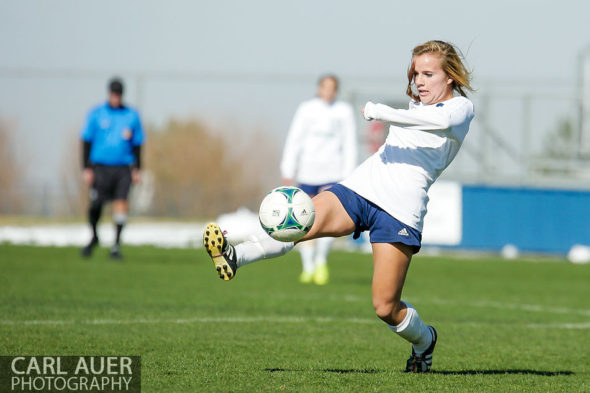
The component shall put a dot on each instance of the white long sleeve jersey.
(421, 143)
(321, 144)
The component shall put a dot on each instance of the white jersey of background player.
(320, 150)
(387, 194)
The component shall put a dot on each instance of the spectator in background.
(111, 138)
(320, 150)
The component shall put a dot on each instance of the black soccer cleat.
(221, 252)
(422, 363)
(87, 250)
(115, 252)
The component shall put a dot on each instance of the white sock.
(307, 251)
(120, 218)
(323, 249)
(260, 246)
(413, 330)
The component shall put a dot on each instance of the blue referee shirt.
(113, 132)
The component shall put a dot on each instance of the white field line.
(476, 304)
(513, 306)
(345, 298)
(267, 319)
(286, 319)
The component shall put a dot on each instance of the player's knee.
(384, 308)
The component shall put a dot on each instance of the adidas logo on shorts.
(403, 232)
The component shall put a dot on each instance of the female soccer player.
(387, 194)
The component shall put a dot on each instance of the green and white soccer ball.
(286, 214)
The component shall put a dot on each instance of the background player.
(111, 139)
(320, 150)
(387, 194)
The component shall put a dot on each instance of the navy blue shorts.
(313, 190)
(382, 226)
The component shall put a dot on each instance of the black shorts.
(110, 183)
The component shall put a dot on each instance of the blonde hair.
(451, 63)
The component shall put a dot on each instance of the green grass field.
(504, 326)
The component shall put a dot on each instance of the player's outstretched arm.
(439, 118)
(419, 119)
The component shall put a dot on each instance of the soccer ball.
(286, 214)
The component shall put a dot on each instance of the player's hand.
(363, 112)
(88, 176)
(135, 176)
(287, 182)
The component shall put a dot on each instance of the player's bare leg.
(331, 219)
(390, 266)
(391, 262)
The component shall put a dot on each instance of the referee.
(111, 138)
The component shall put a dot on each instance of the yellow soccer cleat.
(221, 252)
(321, 275)
(306, 278)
